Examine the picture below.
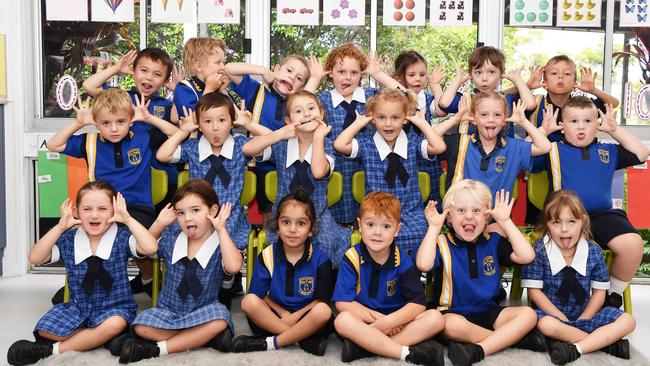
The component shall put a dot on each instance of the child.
(203, 59)
(198, 251)
(488, 155)
(305, 159)
(586, 166)
(467, 281)
(568, 282)
(267, 103)
(379, 295)
(486, 69)
(291, 285)
(390, 157)
(346, 65)
(95, 256)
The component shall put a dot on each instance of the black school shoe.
(58, 296)
(137, 286)
(620, 349)
(222, 342)
(427, 353)
(534, 341)
(114, 346)
(136, 350)
(24, 352)
(248, 344)
(614, 300)
(562, 353)
(352, 351)
(465, 354)
(316, 345)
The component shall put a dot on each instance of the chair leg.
(428, 288)
(515, 289)
(250, 257)
(155, 282)
(66, 290)
(627, 299)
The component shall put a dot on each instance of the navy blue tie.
(395, 169)
(350, 112)
(301, 178)
(190, 282)
(96, 272)
(570, 285)
(217, 169)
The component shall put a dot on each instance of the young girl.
(390, 157)
(95, 256)
(305, 159)
(568, 282)
(198, 252)
(291, 285)
(346, 65)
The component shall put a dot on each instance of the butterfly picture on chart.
(451, 12)
(344, 12)
(634, 13)
(219, 11)
(531, 12)
(579, 13)
(404, 12)
(298, 12)
(173, 11)
(112, 10)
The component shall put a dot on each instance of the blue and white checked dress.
(591, 272)
(196, 152)
(89, 311)
(171, 312)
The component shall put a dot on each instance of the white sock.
(162, 345)
(578, 348)
(55, 348)
(145, 282)
(405, 352)
(228, 283)
(269, 344)
(616, 285)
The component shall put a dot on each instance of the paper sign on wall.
(219, 11)
(634, 13)
(344, 12)
(404, 12)
(66, 10)
(298, 12)
(578, 13)
(112, 10)
(531, 12)
(451, 12)
(173, 11)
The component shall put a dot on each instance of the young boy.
(586, 166)
(466, 264)
(379, 294)
(267, 103)
(486, 69)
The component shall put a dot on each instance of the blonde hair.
(478, 190)
(198, 48)
(407, 98)
(558, 59)
(113, 100)
(487, 95)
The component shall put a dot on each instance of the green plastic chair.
(537, 188)
(334, 187)
(359, 185)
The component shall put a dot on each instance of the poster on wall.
(404, 12)
(173, 11)
(578, 13)
(531, 12)
(219, 11)
(634, 13)
(66, 10)
(298, 12)
(451, 12)
(112, 10)
(344, 12)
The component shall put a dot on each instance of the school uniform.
(386, 287)
(536, 116)
(378, 161)
(331, 238)
(187, 93)
(589, 172)
(466, 127)
(340, 114)
(569, 286)
(467, 279)
(189, 296)
(226, 174)
(99, 283)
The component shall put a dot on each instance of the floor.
(24, 299)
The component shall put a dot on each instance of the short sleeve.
(184, 96)
(524, 152)
(167, 241)
(532, 274)
(133, 247)
(261, 280)
(75, 146)
(185, 151)
(330, 153)
(346, 282)
(67, 238)
(324, 281)
(453, 106)
(599, 273)
(504, 249)
(625, 158)
(355, 149)
(247, 89)
(412, 288)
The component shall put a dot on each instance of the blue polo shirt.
(187, 93)
(126, 165)
(588, 171)
(292, 286)
(467, 279)
(382, 287)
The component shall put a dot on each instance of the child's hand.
(436, 75)
(216, 81)
(362, 119)
(268, 76)
(67, 219)
(587, 80)
(535, 78)
(513, 75)
(141, 109)
(461, 75)
(174, 79)
(243, 116)
(84, 113)
(316, 69)
(549, 123)
(374, 63)
(167, 215)
(219, 222)
(418, 119)
(120, 213)
(188, 123)
(463, 111)
(288, 131)
(518, 113)
(502, 206)
(608, 120)
(123, 65)
(434, 218)
(322, 130)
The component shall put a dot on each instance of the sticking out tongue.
(565, 242)
(491, 132)
(191, 231)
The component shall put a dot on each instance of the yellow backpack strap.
(463, 126)
(91, 154)
(447, 288)
(259, 102)
(463, 145)
(541, 105)
(267, 257)
(353, 256)
(556, 172)
(187, 83)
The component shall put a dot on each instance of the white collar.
(204, 253)
(359, 95)
(205, 149)
(82, 248)
(401, 145)
(293, 152)
(557, 262)
(422, 100)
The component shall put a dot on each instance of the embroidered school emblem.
(488, 266)
(603, 155)
(391, 286)
(499, 162)
(306, 285)
(134, 156)
(159, 111)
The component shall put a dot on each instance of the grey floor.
(24, 299)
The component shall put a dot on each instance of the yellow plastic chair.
(334, 187)
(537, 188)
(443, 188)
(359, 185)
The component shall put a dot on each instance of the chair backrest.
(159, 185)
(359, 185)
(248, 189)
(537, 188)
(334, 187)
(443, 188)
(183, 177)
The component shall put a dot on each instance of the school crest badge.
(499, 162)
(391, 287)
(489, 268)
(159, 111)
(306, 285)
(134, 156)
(603, 155)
